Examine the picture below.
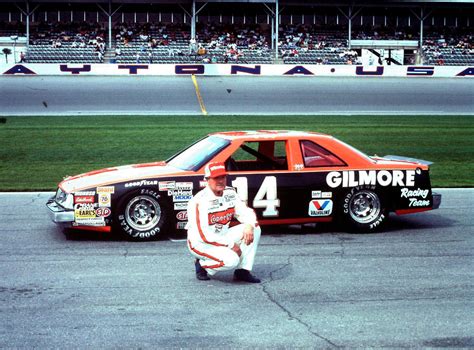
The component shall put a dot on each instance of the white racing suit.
(210, 239)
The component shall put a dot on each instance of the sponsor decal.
(142, 183)
(383, 178)
(105, 199)
(320, 194)
(166, 185)
(182, 198)
(180, 206)
(182, 215)
(202, 184)
(229, 197)
(320, 207)
(181, 225)
(180, 193)
(299, 166)
(103, 212)
(90, 222)
(83, 199)
(106, 189)
(416, 198)
(84, 211)
(221, 217)
(187, 186)
(85, 193)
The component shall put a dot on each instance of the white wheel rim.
(364, 207)
(143, 213)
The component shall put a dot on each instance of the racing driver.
(216, 245)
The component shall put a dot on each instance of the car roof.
(265, 134)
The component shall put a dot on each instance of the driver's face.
(217, 184)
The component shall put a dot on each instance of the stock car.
(287, 177)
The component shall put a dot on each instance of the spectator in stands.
(192, 47)
(22, 57)
(201, 50)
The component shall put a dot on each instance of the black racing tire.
(364, 210)
(142, 215)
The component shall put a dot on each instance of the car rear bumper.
(436, 200)
(58, 214)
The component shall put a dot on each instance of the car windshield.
(198, 154)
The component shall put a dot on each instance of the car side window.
(317, 156)
(259, 155)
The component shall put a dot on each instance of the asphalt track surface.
(151, 95)
(409, 286)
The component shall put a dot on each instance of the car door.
(259, 172)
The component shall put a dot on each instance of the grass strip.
(37, 152)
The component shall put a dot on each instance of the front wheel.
(363, 210)
(141, 216)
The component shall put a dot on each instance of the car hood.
(110, 176)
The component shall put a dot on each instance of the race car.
(287, 177)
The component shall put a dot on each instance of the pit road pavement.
(409, 286)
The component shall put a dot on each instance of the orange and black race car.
(288, 177)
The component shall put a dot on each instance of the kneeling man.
(216, 246)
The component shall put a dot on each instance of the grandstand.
(250, 31)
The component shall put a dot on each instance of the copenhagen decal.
(320, 207)
(383, 178)
(221, 217)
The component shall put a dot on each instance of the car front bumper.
(59, 214)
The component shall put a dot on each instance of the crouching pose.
(216, 246)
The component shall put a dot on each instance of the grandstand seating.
(313, 44)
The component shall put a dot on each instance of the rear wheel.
(364, 210)
(142, 216)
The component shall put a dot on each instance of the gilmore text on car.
(288, 177)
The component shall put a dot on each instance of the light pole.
(14, 38)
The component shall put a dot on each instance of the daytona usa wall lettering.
(383, 178)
